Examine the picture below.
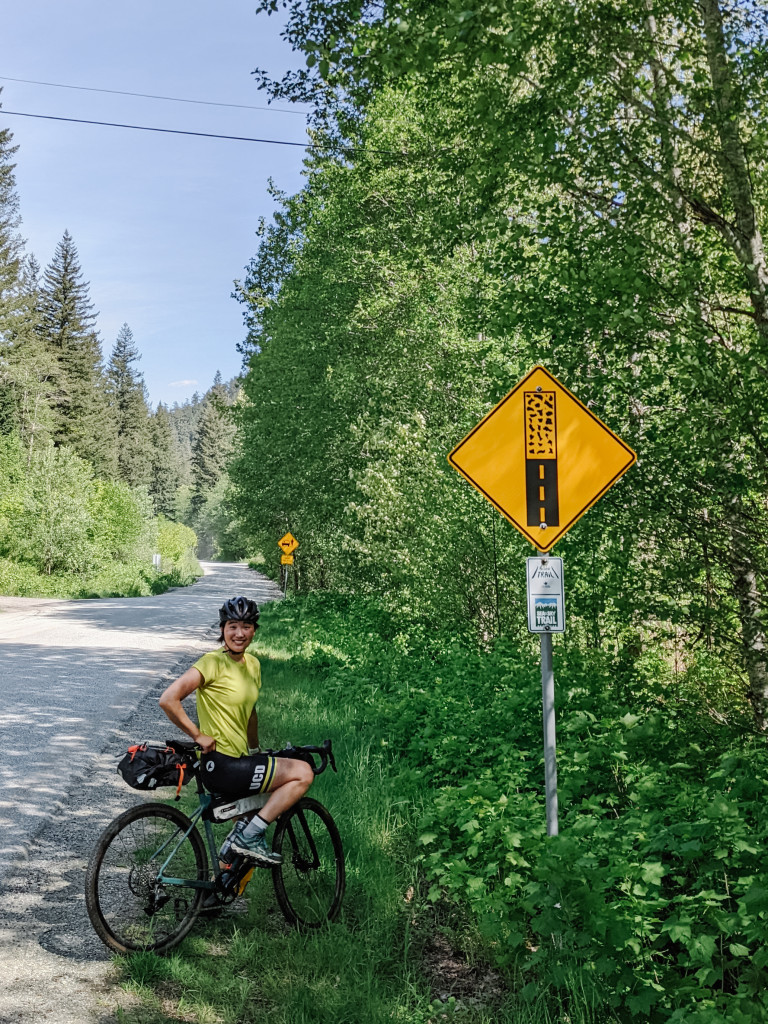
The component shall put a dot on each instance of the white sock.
(256, 827)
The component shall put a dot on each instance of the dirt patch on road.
(26, 604)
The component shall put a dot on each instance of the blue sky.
(163, 223)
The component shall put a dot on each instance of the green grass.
(119, 579)
(390, 956)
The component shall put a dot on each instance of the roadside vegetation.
(66, 533)
(94, 482)
(650, 904)
(395, 954)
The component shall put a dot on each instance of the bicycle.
(148, 877)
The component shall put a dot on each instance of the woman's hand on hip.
(206, 743)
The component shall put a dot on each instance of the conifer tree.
(212, 445)
(33, 371)
(11, 245)
(11, 302)
(184, 421)
(165, 464)
(68, 329)
(127, 403)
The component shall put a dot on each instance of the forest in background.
(93, 481)
(462, 221)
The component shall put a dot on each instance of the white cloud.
(182, 383)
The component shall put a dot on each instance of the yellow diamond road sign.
(287, 544)
(541, 458)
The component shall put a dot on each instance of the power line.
(151, 96)
(167, 131)
(202, 135)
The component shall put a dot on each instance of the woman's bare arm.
(171, 704)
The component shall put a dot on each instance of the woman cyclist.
(227, 682)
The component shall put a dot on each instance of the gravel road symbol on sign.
(541, 458)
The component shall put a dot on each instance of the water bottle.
(226, 846)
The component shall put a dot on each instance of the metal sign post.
(546, 615)
(287, 545)
(550, 741)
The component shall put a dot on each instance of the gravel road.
(79, 680)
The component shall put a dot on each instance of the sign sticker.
(546, 595)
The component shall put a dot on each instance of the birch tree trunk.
(746, 242)
(743, 236)
(752, 630)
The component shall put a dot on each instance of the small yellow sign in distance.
(287, 544)
(541, 458)
(286, 559)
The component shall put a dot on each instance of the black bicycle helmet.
(239, 609)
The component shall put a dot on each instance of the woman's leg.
(288, 780)
(291, 780)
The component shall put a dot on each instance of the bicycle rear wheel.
(129, 909)
(309, 884)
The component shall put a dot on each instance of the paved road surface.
(78, 680)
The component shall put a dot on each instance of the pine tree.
(33, 371)
(212, 445)
(12, 304)
(11, 244)
(165, 464)
(184, 421)
(67, 326)
(127, 404)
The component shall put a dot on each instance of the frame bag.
(151, 765)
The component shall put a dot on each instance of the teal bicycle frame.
(191, 883)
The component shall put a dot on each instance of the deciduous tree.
(614, 163)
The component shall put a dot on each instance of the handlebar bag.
(151, 765)
(296, 753)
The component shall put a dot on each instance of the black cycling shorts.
(237, 776)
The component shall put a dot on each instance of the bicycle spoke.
(129, 907)
(310, 882)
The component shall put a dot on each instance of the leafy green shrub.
(22, 580)
(65, 534)
(50, 527)
(176, 544)
(123, 526)
(655, 893)
(118, 580)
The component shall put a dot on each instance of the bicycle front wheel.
(129, 908)
(309, 884)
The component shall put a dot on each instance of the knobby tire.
(128, 909)
(309, 884)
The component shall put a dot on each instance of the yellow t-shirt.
(225, 699)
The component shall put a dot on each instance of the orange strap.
(182, 768)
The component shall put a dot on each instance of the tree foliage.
(582, 188)
(166, 464)
(67, 324)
